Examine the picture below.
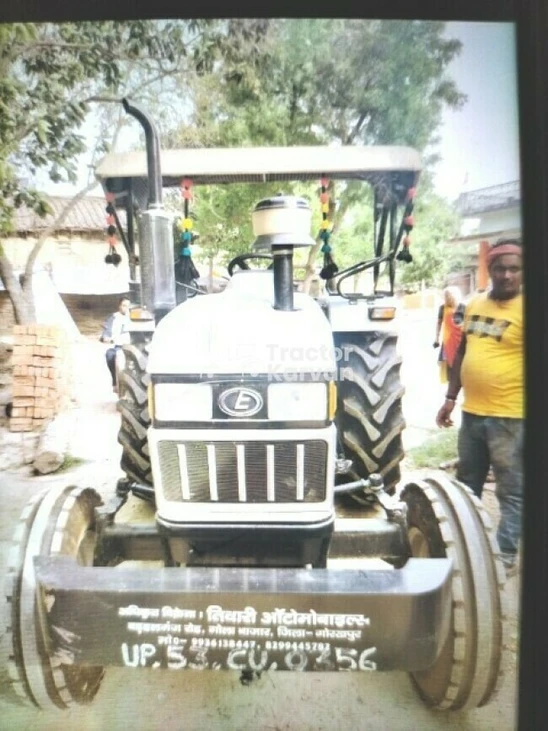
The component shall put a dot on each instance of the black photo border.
(531, 19)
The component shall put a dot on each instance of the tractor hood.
(239, 332)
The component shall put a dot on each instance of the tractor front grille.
(247, 472)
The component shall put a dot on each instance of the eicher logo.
(240, 402)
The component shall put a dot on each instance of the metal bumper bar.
(247, 618)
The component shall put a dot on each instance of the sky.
(479, 143)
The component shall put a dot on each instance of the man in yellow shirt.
(489, 368)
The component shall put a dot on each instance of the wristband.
(450, 398)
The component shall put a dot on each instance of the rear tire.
(445, 519)
(369, 405)
(133, 408)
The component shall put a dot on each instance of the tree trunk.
(19, 294)
(210, 273)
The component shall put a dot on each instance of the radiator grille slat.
(300, 471)
(247, 472)
(240, 458)
(212, 472)
(270, 474)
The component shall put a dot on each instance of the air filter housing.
(283, 220)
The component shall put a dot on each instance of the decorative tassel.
(408, 223)
(329, 267)
(405, 254)
(113, 257)
(185, 270)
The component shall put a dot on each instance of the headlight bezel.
(172, 401)
(198, 397)
(283, 401)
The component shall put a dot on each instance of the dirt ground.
(145, 699)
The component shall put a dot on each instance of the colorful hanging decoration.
(408, 223)
(113, 257)
(185, 271)
(329, 267)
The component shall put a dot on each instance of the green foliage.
(223, 218)
(439, 448)
(433, 258)
(50, 76)
(222, 215)
(381, 82)
(352, 241)
(69, 462)
(229, 82)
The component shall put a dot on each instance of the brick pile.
(41, 376)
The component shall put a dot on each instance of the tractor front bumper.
(246, 619)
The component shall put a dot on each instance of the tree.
(50, 77)
(433, 258)
(325, 81)
(436, 222)
(231, 82)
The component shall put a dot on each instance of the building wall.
(506, 219)
(75, 261)
(465, 280)
(88, 311)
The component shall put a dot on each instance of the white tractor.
(263, 428)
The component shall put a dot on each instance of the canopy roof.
(395, 166)
(262, 164)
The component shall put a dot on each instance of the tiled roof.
(87, 215)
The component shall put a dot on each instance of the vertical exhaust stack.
(155, 229)
(281, 224)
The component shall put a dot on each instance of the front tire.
(60, 521)
(445, 519)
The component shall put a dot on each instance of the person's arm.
(106, 335)
(443, 417)
(438, 327)
(116, 329)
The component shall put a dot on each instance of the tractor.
(262, 523)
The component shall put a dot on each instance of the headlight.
(182, 402)
(297, 401)
(382, 313)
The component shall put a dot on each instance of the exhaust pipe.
(281, 224)
(156, 254)
(153, 152)
(283, 277)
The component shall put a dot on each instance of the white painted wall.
(76, 263)
(507, 219)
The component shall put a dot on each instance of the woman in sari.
(449, 326)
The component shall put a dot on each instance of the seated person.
(115, 332)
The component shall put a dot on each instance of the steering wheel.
(241, 261)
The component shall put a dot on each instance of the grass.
(69, 462)
(439, 448)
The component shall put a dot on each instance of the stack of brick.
(41, 376)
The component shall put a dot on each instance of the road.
(145, 700)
